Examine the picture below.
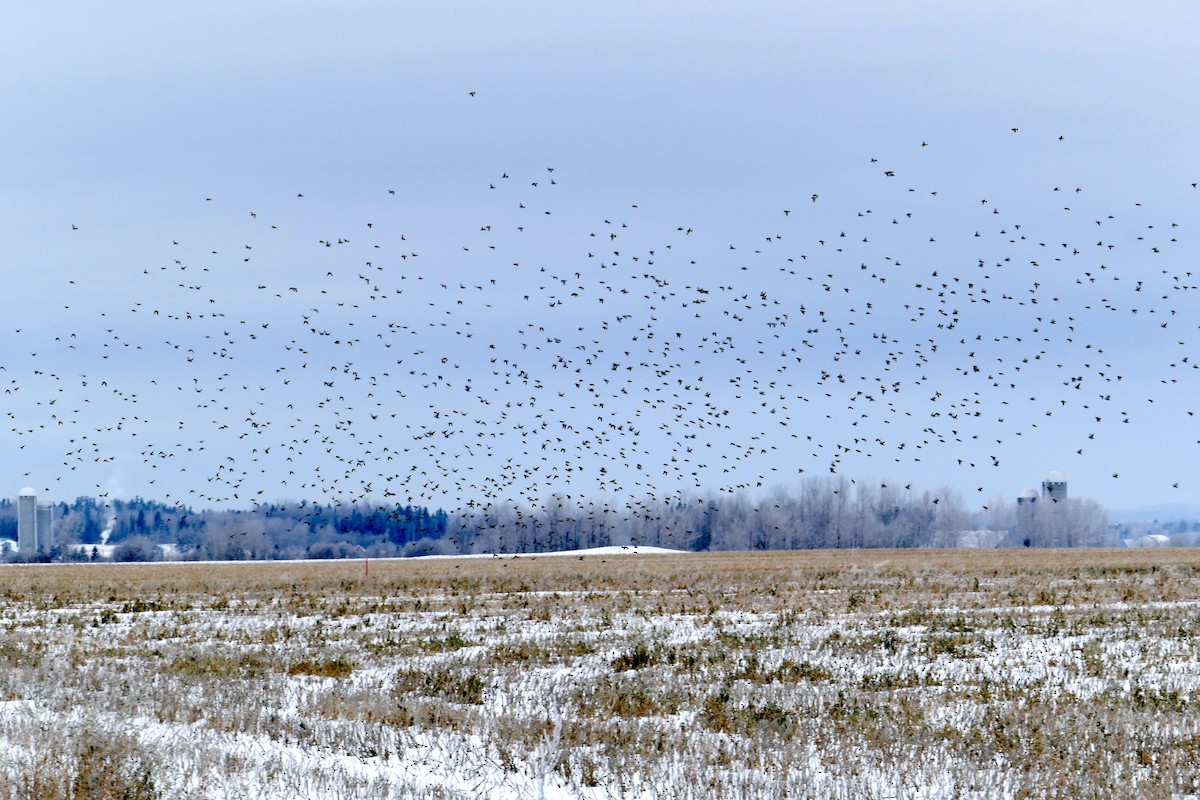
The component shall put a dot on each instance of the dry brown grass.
(919, 571)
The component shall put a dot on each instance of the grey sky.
(123, 120)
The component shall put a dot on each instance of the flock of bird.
(335, 360)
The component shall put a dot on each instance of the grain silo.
(45, 527)
(27, 542)
(1054, 488)
(1026, 516)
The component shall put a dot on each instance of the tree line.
(830, 512)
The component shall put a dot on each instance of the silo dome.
(1055, 476)
(1028, 494)
(27, 492)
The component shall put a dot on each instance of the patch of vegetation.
(441, 683)
(332, 668)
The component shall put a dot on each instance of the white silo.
(45, 527)
(1026, 516)
(1054, 487)
(27, 522)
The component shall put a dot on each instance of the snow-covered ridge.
(611, 550)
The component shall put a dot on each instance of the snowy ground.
(893, 675)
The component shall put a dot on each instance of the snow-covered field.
(809, 675)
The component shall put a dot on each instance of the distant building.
(27, 522)
(45, 527)
(1026, 522)
(1048, 519)
(1054, 488)
(35, 524)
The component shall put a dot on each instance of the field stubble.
(906, 674)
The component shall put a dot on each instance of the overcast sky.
(443, 253)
